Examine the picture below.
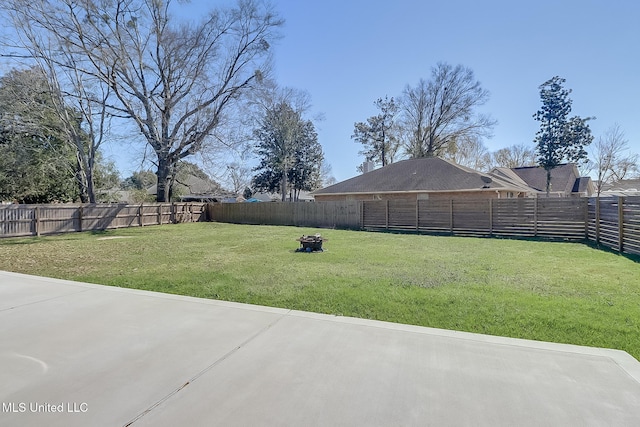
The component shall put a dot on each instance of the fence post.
(621, 224)
(417, 214)
(451, 215)
(586, 219)
(160, 214)
(490, 217)
(535, 217)
(386, 214)
(80, 217)
(140, 222)
(598, 220)
(37, 220)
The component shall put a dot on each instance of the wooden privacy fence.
(615, 223)
(35, 220)
(553, 218)
(319, 214)
(611, 222)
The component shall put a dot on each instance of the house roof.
(430, 174)
(583, 184)
(624, 187)
(193, 185)
(276, 197)
(563, 177)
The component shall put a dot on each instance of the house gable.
(565, 180)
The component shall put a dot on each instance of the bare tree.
(174, 81)
(439, 112)
(611, 158)
(514, 156)
(469, 152)
(239, 176)
(326, 174)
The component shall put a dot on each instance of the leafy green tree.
(105, 177)
(561, 138)
(379, 134)
(140, 180)
(248, 193)
(36, 164)
(32, 170)
(289, 153)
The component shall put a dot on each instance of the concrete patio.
(76, 354)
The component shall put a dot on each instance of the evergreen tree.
(561, 138)
(36, 163)
(379, 134)
(289, 152)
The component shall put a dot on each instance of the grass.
(550, 291)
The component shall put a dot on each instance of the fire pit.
(310, 243)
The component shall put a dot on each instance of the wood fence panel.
(514, 217)
(471, 217)
(402, 214)
(17, 220)
(604, 230)
(563, 218)
(327, 214)
(434, 216)
(31, 220)
(319, 214)
(374, 214)
(55, 219)
(631, 225)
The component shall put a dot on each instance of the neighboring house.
(196, 189)
(425, 178)
(565, 180)
(623, 188)
(116, 195)
(304, 196)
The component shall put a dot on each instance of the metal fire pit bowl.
(311, 243)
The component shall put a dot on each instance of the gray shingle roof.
(623, 185)
(563, 177)
(426, 174)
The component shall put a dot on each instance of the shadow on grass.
(590, 243)
(21, 240)
(631, 257)
(69, 236)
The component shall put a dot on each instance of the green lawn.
(561, 292)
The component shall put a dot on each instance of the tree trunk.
(91, 192)
(163, 187)
(548, 182)
(81, 179)
(284, 186)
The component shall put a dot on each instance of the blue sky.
(348, 53)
